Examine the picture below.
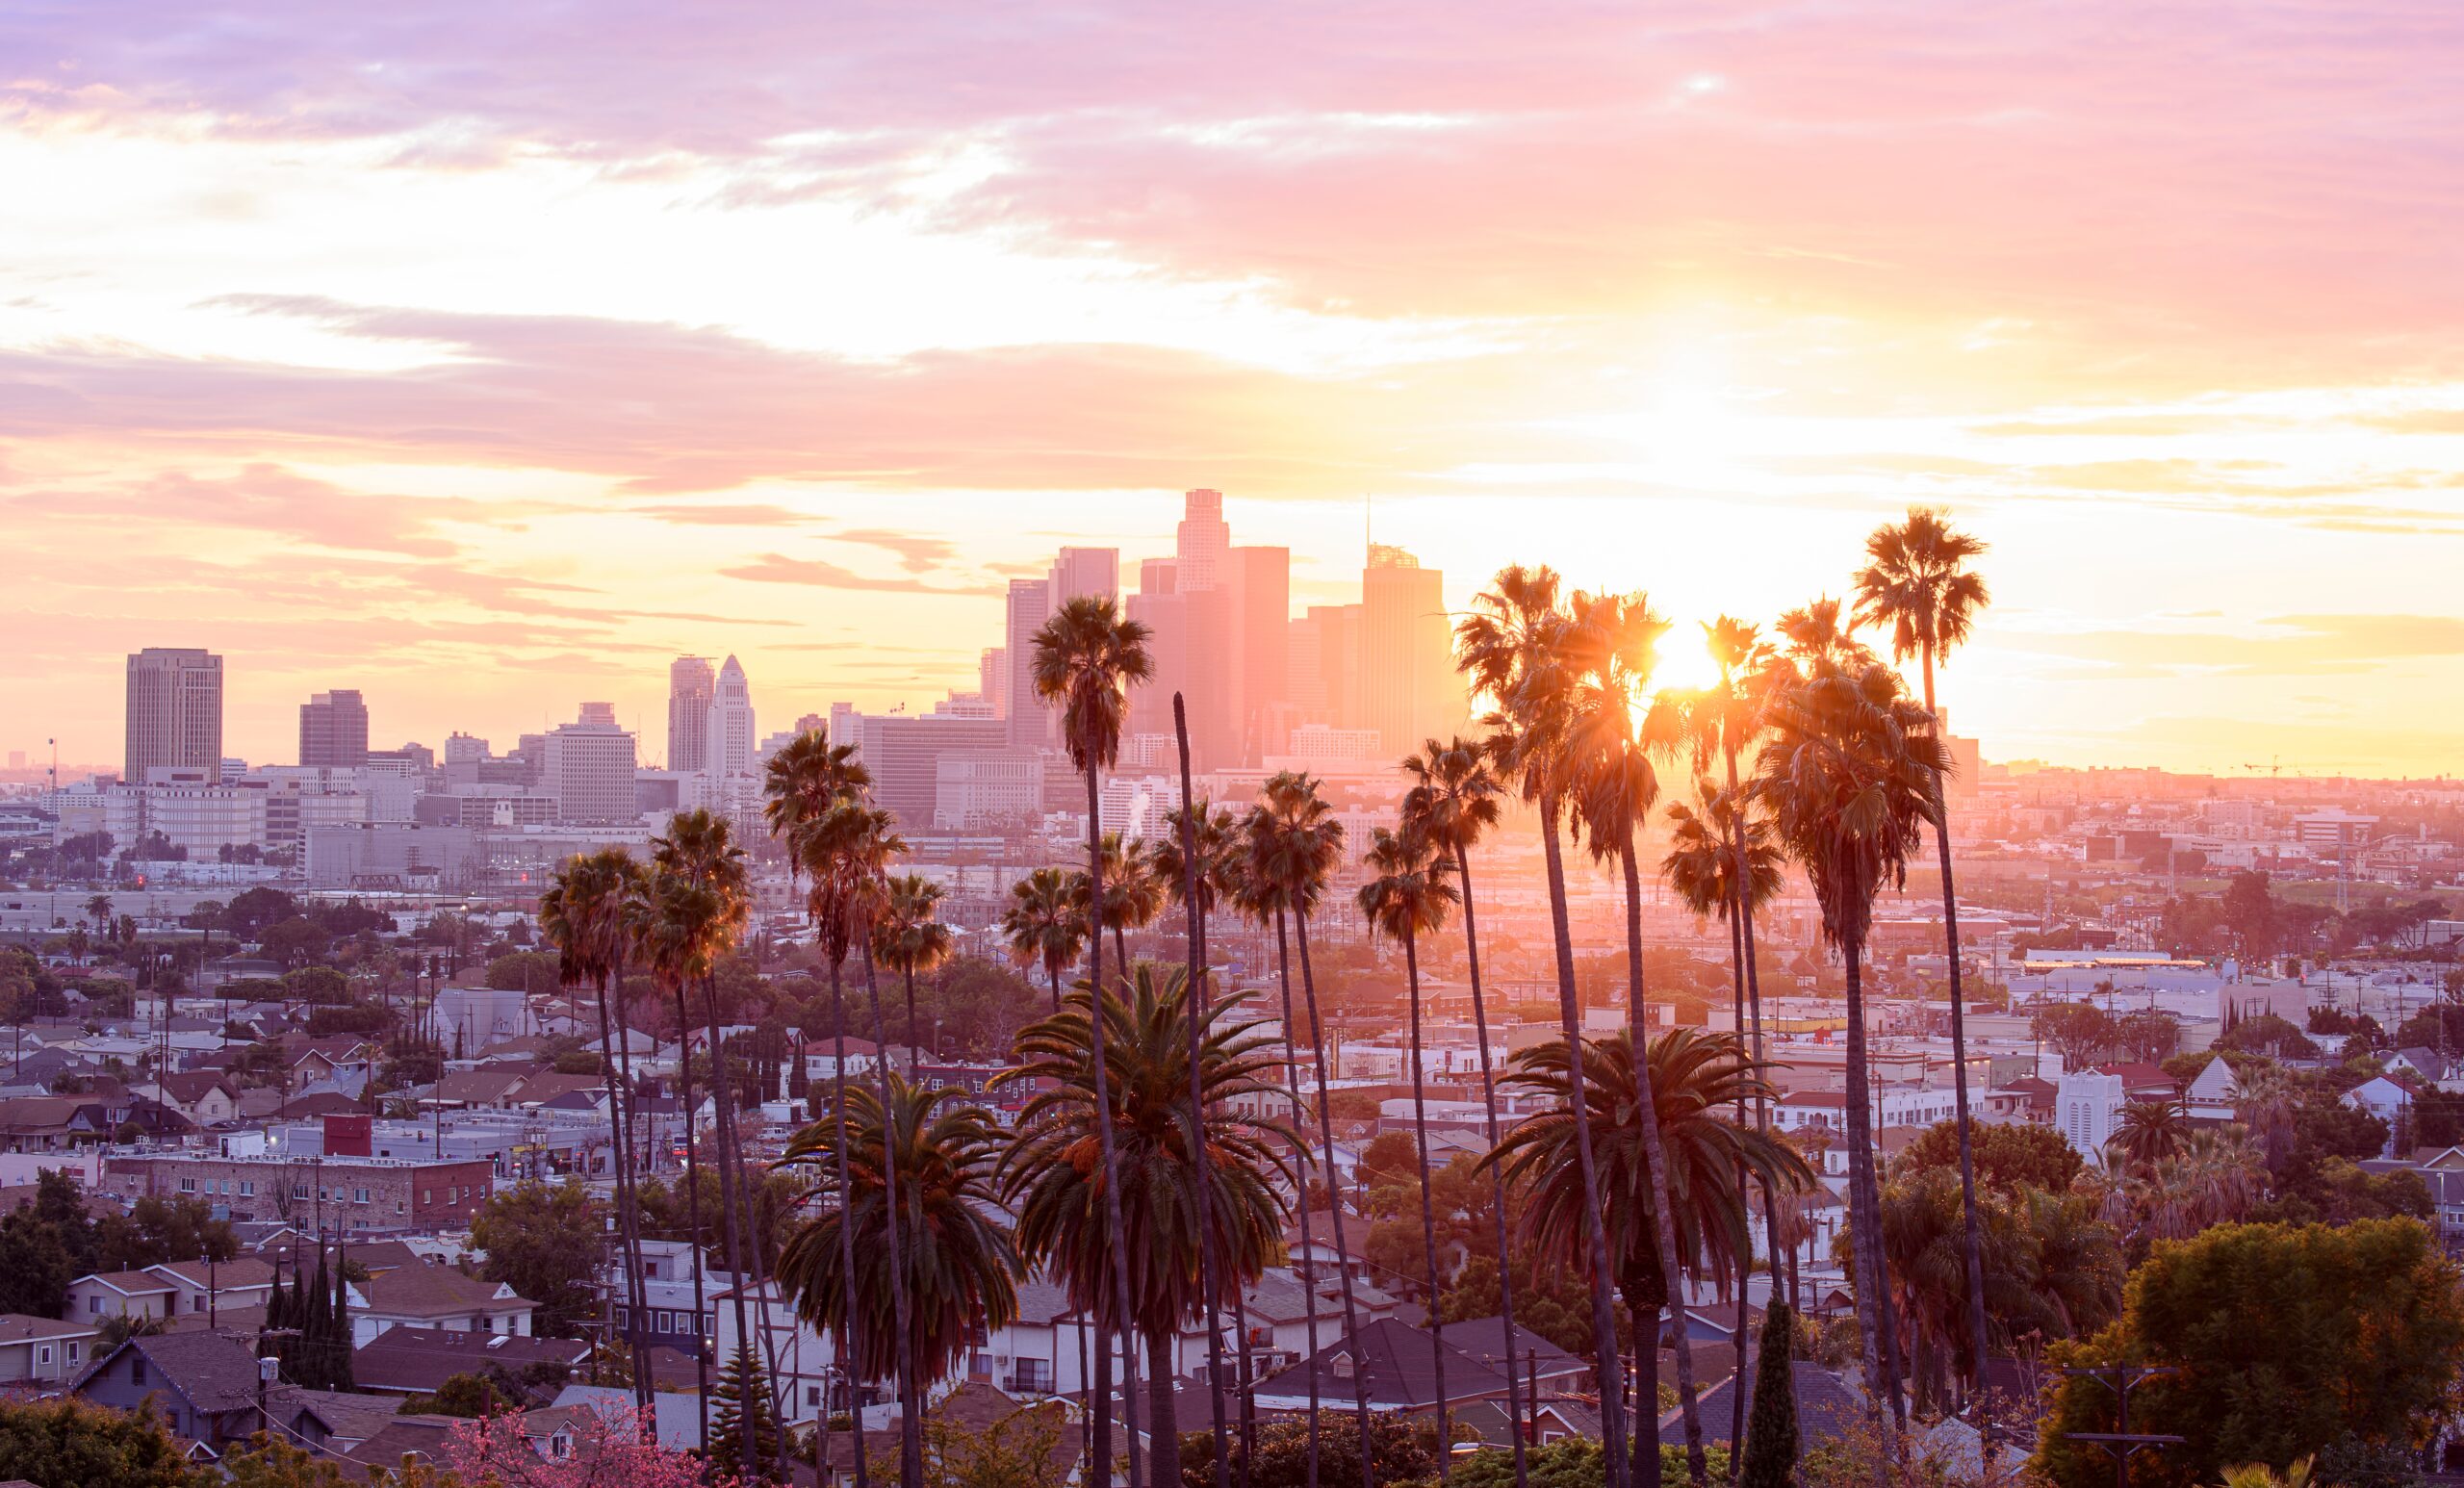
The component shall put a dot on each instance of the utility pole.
(2122, 1442)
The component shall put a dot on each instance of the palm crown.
(1085, 659)
(1916, 580)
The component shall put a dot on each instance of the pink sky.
(485, 356)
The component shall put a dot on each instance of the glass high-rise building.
(333, 729)
(174, 713)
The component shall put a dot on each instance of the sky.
(484, 357)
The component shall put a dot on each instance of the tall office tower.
(1080, 571)
(1166, 617)
(1409, 690)
(992, 679)
(1326, 666)
(690, 686)
(464, 749)
(174, 713)
(1203, 542)
(588, 766)
(333, 729)
(1261, 613)
(728, 750)
(1029, 605)
(1158, 575)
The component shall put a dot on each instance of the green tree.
(158, 1230)
(745, 1422)
(2009, 1157)
(69, 1443)
(2280, 1339)
(1771, 1443)
(45, 1246)
(544, 1240)
(1400, 1451)
(466, 1395)
(526, 971)
(296, 942)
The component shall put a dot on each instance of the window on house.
(359, 1195)
(188, 1185)
(812, 1396)
(94, 1304)
(299, 1190)
(72, 1353)
(399, 1207)
(247, 1187)
(427, 1195)
(137, 1370)
(43, 1354)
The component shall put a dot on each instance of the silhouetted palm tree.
(1515, 647)
(1292, 844)
(1406, 899)
(2150, 1132)
(1453, 803)
(1846, 775)
(962, 1271)
(1685, 1076)
(672, 932)
(912, 938)
(1064, 1194)
(1045, 925)
(1133, 893)
(1916, 580)
(1087, 658)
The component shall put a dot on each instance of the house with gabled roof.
(204, 1384)
(42, 1350)
(436, 1298)
(137, 1293)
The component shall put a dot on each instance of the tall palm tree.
(912, 938)
(585, 915)
(1719, 866)
(1406, 898)
(1087, 658)
(1611, 646)
(1923, 1262)
(1291, 845)
(1916, 580)
(960, 1268)
(1684, 1079)
(699, 849)
(803, 779)
(1165, 1151)
(672, 937)
(1044, 924)
(1453, 803)
(1846, 775)
(1821, 635)
(1515, 646)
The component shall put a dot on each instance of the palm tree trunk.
(1099, 1401)
(1428, 1213)
(1754, 999)
(702, 1341)
(1971, 1246)
(1052, 972)
(1309, 1283)
(911, 1415)
(1604, 1316)
(1210, 1265)
(748, 1215)
(1497, 1175)
(1864, 1230)
(1646, 1460)
(847, 1361)
(627, 1205)
(730, 1179)
(1655, 1172)
(911, 1018)
(1113, 1229)
(1164, 1454)
(1335, 1202)
(1744, 1198)
(1121, 948)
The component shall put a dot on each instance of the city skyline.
(435, 361)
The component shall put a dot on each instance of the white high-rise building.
(588, 767)
(730, 736)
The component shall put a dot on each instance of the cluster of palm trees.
(1156, 1097)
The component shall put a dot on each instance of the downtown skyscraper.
(174, 713)
(333, 729)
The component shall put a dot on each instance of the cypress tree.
(340, 1323)
(742, 1387)
(316, 1331)
(1771, 1437)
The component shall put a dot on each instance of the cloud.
(915, 554)
(723, 514)
(775, 568)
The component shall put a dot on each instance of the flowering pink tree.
(615, 1447)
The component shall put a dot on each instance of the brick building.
(350, 1193)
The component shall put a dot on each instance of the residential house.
(205, 1385)
(50, 1123)
(408, 1359)
(200, 1289)
(2387, 1101)
(120, 1294)
(2429, 1064)
(42, 1350)
(205, 1097)
(436, 1298)
(2212, 1094)
(1398, 1363)
(1827, 1407)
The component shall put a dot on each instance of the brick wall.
(355, 1195)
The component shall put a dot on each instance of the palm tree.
(1924, 1262)
(803, 779)
(1406, 899)
(1055, 1176)
(586, 915)
(1611, 647)
(1916, 580)
(1684, 1077)
(912, 938)
(2267, 1102)
(2151, 1131)
(1720, 867)
(1453, 803)
(1514, 644)
(1134, 892)
(1846, 777)
(960, 1268)
(1087, 658)
(1821, 634)
(1046, 924)
(1292, 844)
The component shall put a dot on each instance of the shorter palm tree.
(1135, 892)
(2150, 1132)
(1693, 1074)
(960, 1265)
(1054, 1176)
(1046, 924)
(911, 937)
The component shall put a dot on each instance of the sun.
(1685, 663)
